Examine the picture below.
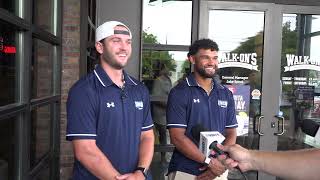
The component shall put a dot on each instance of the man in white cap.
(108, 112)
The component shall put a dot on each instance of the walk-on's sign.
(301, 62)
(242, 60)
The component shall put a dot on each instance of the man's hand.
(206, 175)
(216, 167)
(137, 175)
(239, 156)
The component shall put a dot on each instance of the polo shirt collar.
(191, 81)
(105, 80)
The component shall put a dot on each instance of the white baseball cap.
(107, 29)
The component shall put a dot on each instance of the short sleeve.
(177, 109)
(81, 116)
(147, 119)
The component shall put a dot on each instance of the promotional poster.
(241, 95)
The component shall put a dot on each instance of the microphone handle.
(218, 152)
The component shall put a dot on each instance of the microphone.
(207, 139)
(210, 138)
(311, 128)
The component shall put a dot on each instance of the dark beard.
(203, 73)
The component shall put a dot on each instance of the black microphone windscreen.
(195, 132)
(310, 127)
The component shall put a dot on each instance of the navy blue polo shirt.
(189, 105)
(98, 109)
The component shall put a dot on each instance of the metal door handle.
(280, 123)
(259, 126)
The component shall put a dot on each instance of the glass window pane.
(7, 139)
(161, 70)
(43, 15)
(300, 78)
(7, 64)
(42, 67)
(8, 5)
(40, 133)
(169, 21)
(43, 175)
(240, 51)
(173, 63)
(315, 23)
(314, 47)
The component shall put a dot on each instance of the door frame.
(271, 85)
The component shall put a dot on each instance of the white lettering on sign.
(301, 62)
(242, 60)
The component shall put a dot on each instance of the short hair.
(202, 44)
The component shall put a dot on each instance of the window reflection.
(8, 50)
(161, 70)
(315, 23)
(8, 5)
(300, 76)
(175, 63)
(42, 66)
(241, 51)
(7, 138)
(43, 16)
(43, 175)
(170, 21)
(40, 133)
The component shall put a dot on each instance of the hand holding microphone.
(206, 140)
(220, 158)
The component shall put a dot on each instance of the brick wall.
(70, 74)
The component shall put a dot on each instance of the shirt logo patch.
(139, 105)
(196, 100)
(222, 104)
(110, 104)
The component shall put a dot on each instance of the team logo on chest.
(110, 105)
(222, 103)
(196, 100)
(139, 105)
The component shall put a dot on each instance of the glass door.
(269, 58)
(300, 77)
(240, 31)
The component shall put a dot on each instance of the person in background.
(108, 114)
(160, 89)
(199, 100)
(295, 164)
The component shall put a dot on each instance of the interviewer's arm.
(295, 165)
(90, 156)
(300, 164)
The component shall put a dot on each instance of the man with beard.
(199, 100)
(108, 112)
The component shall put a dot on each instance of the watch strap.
(143, 170)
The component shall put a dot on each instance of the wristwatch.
(143, 170)
(207, 161)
